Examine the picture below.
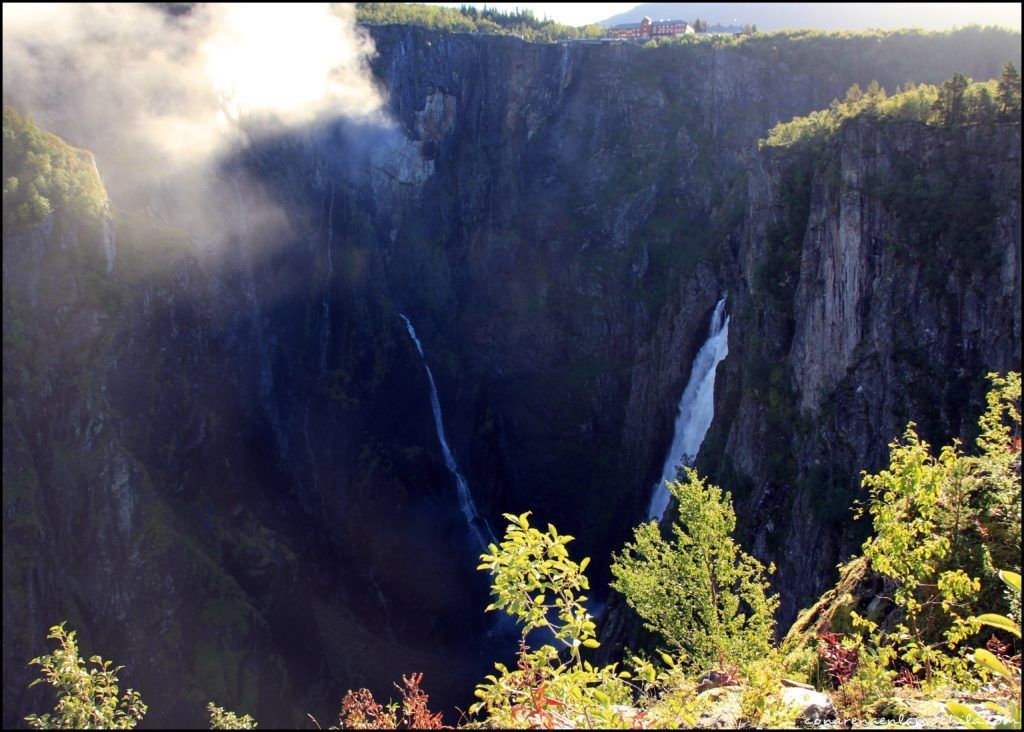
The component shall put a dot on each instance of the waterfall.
(257, 322)
(325, 332)
(325, 300)
(696, 408)
(476, 523)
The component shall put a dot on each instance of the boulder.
(811, 706)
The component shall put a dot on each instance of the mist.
(163, 91)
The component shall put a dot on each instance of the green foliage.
(43, 174)
(957, 101)
(935, 517)
(220, 719)
(705, 596)
(760, 700)
(667, 697)
(1008, 92)
(534, 580)
(988, 533)
(950, 107)
(87, 698)
(891, 56)
(469, 19)
(908, 546)
(872, 682)
(984, 659)
(529, 566)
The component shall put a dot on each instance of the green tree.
(907, 502)
(535, 581)
(934, 518)
(873, 97)
(950, 105)
(706, 597)
(981, 107)
(996, 484)
(220, 719)
(87, 698)
(1008, 91)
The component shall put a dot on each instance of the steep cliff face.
(879, 281)
(106, 426)
(581, 219)
(219, 458)
(200, 472)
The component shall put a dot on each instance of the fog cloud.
(154, 88)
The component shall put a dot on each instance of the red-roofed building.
(647, 28)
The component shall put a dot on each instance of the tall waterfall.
(325, 300)
(696, 408)
(481, 530)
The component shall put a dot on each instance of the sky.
(581, 13)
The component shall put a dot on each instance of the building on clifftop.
(647, 29)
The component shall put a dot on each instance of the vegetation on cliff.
(469, 19)
(957, 101)
(43, 173)
(941, 526)
(862, 50)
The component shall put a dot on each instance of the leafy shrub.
(705, 596)
(359, 710)
(986, 659)
(86, 697)
(840, 659)
(873, 681)
(922, 507)
(535, 581)
(761, 701)
(220, 719)
(909, 547)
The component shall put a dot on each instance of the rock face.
(865, 308)
(220, 463)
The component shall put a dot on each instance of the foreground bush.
(703, 594)
(87, 698)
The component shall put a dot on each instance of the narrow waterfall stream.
(696, 408)
(325, 300)
(476, 523)
(325, 333)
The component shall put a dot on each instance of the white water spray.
(476, 523)
(696, 408)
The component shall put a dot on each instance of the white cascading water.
(325, 332)
(696, 408)
(325, 301)
(474, 520)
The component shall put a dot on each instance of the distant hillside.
(827, 16)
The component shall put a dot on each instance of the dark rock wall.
(879, 283)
